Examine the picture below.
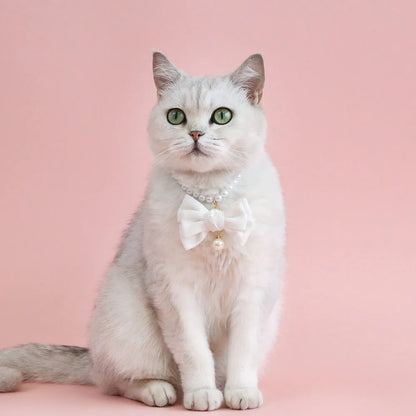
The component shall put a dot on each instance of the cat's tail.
(44, 363)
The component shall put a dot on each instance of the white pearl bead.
(218, 244)
(223, 193)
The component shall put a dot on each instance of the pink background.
(76, 89)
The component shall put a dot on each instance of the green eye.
(222, 115)
(176, 116)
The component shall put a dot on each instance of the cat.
(190, 305)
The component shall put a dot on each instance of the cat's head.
(203, 124)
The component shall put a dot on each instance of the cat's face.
(204, 124)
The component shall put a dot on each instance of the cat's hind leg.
(128, 352)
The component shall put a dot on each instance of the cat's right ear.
(250, 77)
(164, 72)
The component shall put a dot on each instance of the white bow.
(195, 221)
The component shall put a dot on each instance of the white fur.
(201, 319)
(198, 321)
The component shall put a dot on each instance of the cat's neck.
(213, 180)
(218, 179)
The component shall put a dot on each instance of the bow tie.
(195, 221)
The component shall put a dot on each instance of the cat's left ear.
(164, 72)
(250, 77)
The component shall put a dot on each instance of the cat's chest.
(217, 287)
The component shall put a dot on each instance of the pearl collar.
(211, 197)
(242, 212)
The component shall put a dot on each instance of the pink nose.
(196, 134)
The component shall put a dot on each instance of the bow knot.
(195, 221)
(214, 219)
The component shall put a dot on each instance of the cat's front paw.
(203, 399)
(241, 399)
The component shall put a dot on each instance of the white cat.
(191, 302)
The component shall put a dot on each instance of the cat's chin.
(197, 162)
(202, 163)
(214, 177)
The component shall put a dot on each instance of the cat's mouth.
(196, 151)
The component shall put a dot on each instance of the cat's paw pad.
(157, 393)
(241, 399)
(203, 399)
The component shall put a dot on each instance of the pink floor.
(46, 399)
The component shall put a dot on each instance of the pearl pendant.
(218, 243)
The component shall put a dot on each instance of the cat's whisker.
(161, 156)
(234, 153)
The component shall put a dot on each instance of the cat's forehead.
(202, 93)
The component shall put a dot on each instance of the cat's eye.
(176, 116)
(222, 115)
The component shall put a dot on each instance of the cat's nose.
(196, 134)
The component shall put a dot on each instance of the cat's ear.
(164, 72)
(250, 77)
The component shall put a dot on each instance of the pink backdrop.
(76, 89)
